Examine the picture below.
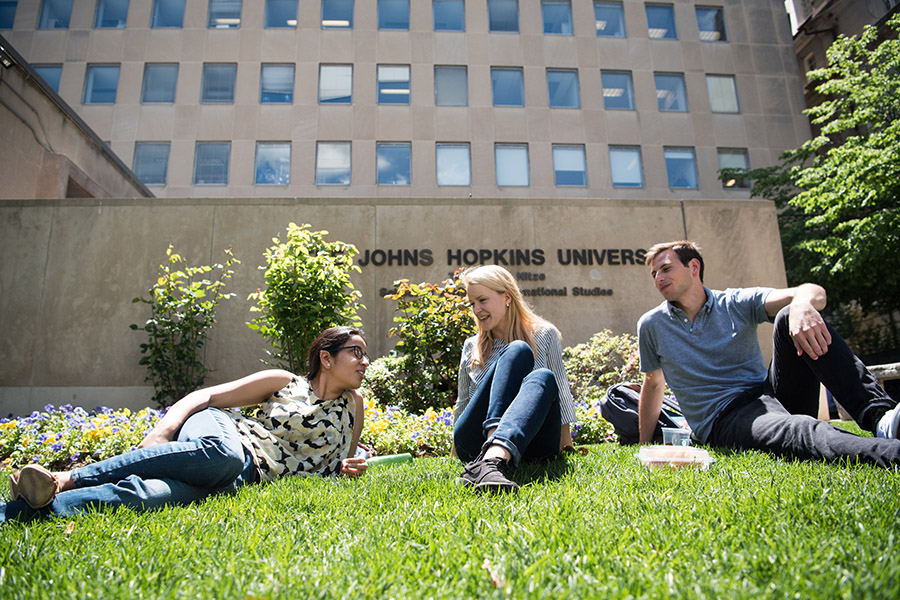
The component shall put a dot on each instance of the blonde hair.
(521, 320)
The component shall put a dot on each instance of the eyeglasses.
(358, 352)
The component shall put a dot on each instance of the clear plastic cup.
(676, 437)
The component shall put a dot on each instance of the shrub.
(392, 430)
(604, 360)
(308, 289)
(432, 323)
(182, 311)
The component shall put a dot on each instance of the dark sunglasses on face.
(358, 352)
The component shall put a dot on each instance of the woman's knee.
(518, 353)
(545, 379)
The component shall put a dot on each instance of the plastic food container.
(676, 437)
(674, 457)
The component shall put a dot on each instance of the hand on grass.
(353, 467)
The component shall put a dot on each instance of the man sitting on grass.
(704, 343)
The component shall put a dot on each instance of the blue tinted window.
(159, 83)
(55, 14)
(618, 93)
(393, 162)
(337, 14)
(569, 166)
(681, 167)
(609, 19)
(670, 92)
(281, 13)
(503, 15)
(211, 163)
(453, 164)
(224, 14)
(711, 22)
(511, 161)
(562, 84)
(508, 87)
(449, 15)
(218, 84)
(276, 84)
(333, 163)
(273, 163)
(7, 13)
(625, 166)
(151, 162)
(661, 21)
(50, 74)
(557, 16)
(393, 14)
(451, 86)
(100, 84)
(393, 84)
(335, 84)
(111, 13)
(167, 13)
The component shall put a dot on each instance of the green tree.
(840, 191)
(308, 289)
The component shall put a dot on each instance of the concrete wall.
(70, 269)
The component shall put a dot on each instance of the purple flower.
(57, 447)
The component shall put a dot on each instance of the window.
(508, 87)
(722, 93)
(451, 87)
(711, 22)
(276, 84)
(7, 13)
(393, 84)
(661, 22)
(335, 84)
(734, 158)
(393, 14)
(503, 15)
(337, 14)
(151, 162)
(681, 167)
(159, 83)
(273, 163)
(609, 19)
(224, 14)
(453, 164)
(625, 166)
(51, 75)
(167, 13)
(111, 14)
(449, 15)
(670, 92)
(569, 166)
(281, 13)
(562, 84)
(55, 14)
(218, 84)
(618, 92)
(333, 163)
(557, 16)
(393, 163)
(211, 163)
(511, 162)
(100, 84)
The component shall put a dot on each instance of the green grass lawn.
(595, 526)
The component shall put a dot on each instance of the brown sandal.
(35, 485)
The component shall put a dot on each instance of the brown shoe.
(35, 485)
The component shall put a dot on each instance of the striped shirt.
(549, 356)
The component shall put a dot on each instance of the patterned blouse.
(296, 433)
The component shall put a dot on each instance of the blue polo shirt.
(711, 361)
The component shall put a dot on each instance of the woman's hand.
(353, 467)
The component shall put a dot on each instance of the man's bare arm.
(650, 404)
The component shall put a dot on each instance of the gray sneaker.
(488, 475)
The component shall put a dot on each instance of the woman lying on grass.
(514, 400)
(304, 425)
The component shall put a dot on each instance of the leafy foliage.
(182, 306)
(308, 290)
(604, 360)
(432, 323)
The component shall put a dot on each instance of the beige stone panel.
(693, 57)
(272, 122)
(187, 90)
(484, 174)
(481, 128)
(250, 43)
(702, 124)
(421, 17)
(246, 88)
(365, 88)
(139, 14)
(422, 48)
(196, 15)
(662, 58)
(566, 126)
(164, 45)
(478, 49)
(773, 95)
(760, 22)
(623, 127)
(781, 134)
(757, 130)
(595, 125)
(362, 168)
(583, 22)
(543, 180)
(125, 122)
(99, 348)
(535, 83)
(193, 48)
(534, 49)
(505, 50)
(131, 77)
(364, 44)
(48, 46)
(591, 88)
(106, 46)
(23, 245)
(216, 122)
(508, 124)
(450, 48)
(336, 45)
(540, 125)
(586, 49)
(656, 181)
(708, 171)
(735, 24)
(99, 118)
(393, 47)
(305, 123)
(279, 45)
(308, 46)
(335, 123)
(187, 122)
(242, 171)
(559, 51)
(221, 45)
(749, 91)
(717, 57)
(450, 122)
(767, 59)
(674, 128)
(638, 57)
(422, 122)
(306, 85)
(77, 46)
(480, 93)
(421, 85)
(614, 52)
(181, 164)
(730, 131)
(644, 91)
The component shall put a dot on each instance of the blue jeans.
(521, 403)
(206, 457)
(780, 416)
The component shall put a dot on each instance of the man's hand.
(808, 330)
